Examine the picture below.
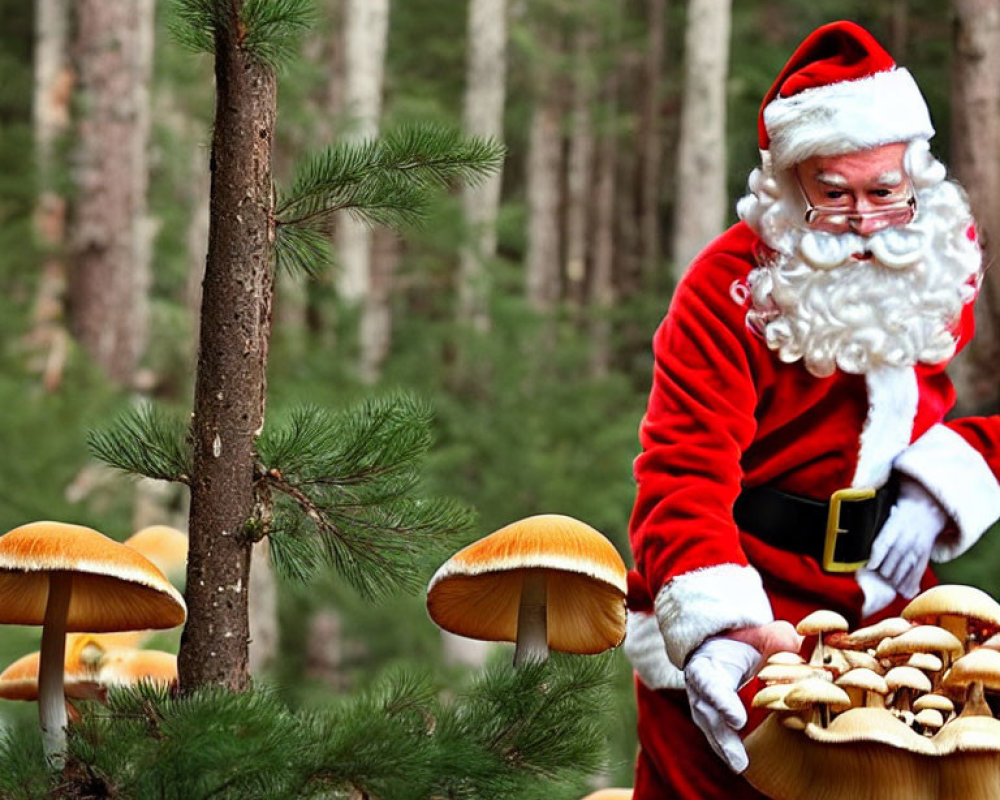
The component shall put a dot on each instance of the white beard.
(814, 301)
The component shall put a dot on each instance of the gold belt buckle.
(833, 529)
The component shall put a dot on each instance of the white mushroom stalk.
(51, 697)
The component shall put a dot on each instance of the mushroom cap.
(907, 678)
(114, 587)
(165, 546)
(790, 673)
(816, 691)
(928, 662)
(981, 664)
(930, 718)
(871, 635)
(863, 678)
(859, 658)
(956, 600)
(920, 639)
(610, 794)
(476, 593)
(933, 700)
(19, 681)
(129, 667)
(968, 735)
(784, 657)
(870, 725)
(772, 697)
(821, 621)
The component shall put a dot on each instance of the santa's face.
(867, 282)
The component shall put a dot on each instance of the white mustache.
(895, 248)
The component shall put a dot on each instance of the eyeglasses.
(842, 220)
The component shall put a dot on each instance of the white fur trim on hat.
(707, 602)
(958, 477)
(844, 117)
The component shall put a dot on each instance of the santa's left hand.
(903, 547)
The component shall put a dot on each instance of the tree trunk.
(485, 95)
(975, 160)
(701, 202)
(602, 288)
(366, 28)
(650, 144)
(230, 384)
(580, 166)
(52, 91)
(109, 234)
(544, 163)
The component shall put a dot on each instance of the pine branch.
(269, 30)
(352, 478)
(386, 180)
(146, 441)
(303, 248)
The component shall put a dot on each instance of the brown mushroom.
(547, 581)
(967, 612)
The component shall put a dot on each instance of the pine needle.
(146, 441)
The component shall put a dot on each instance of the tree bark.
(544, 164)
(650, 144)
(975, 160)
(580, 166)
(53, 85)
(701, 202)
(485, 96)
(366, 27)
(230, 385)
(109, 233)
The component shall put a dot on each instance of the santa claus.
(794, 450)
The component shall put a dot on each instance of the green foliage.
(386, 181)
(516, 734)
(145, 440)
(344, 486)
(269, 30)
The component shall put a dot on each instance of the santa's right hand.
(712, 676)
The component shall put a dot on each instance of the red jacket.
(724, 413)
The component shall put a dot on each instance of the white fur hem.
(706, 602)
(892, 405)
(647, 653)
(843, 117)
(958, 477)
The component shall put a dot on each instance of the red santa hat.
(839, 92)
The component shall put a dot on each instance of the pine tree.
(326, 489)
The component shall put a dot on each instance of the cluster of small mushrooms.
(896, 709)
(97, 601)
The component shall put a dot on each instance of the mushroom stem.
(51, 698)
(532, 625)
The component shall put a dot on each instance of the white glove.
(902, 548)
(714, 672)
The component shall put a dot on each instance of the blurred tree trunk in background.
(580, 161)
(109, 234)
(650, 135)
(365, 32)
(485, 98)
(230, 384)
(701, 200)
(545, 174)
(603, 291)
(53, 85)
(899, 30)
(975, 160)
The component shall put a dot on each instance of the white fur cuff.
(837, 118)
(647, 653)
(958, 477)
(706, 602)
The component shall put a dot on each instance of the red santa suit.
(725, 413)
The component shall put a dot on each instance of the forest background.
(630, 128)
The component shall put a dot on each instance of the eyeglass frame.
(854, 218)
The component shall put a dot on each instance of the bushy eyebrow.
(831, 179)
(892, 178)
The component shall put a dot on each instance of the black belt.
(838, 532)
